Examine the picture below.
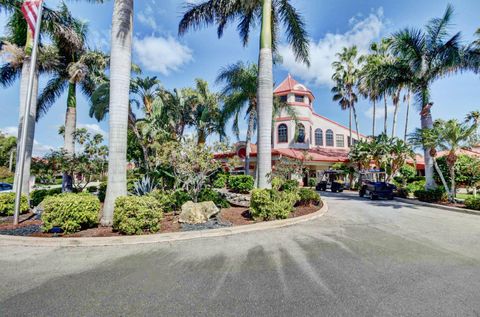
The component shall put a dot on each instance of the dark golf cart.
(373, 185)
(333, 180)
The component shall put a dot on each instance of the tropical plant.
(120, 68)
(429, 55)
(8, 145)
(269, 13)
(345, 78)
(144, 186)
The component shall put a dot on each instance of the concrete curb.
(438, 206)
(157, 238)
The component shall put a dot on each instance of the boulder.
(194, 213)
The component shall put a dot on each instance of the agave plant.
(144, 186)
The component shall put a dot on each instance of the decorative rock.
(194, 213)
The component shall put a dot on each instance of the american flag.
(30, 12)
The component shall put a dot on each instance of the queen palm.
(147, 89)
(345, 77)
(270, 13)
(429, 54)
(120, 67)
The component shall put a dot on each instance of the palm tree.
(79, 67)
(345, 77)
(120, 67)
(269, 13)
(16, 50)
(473, 116)
(429, 55)
(147, 89)
(240, 92)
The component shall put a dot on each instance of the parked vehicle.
(6, 188)
(333, 180)
(373, 185)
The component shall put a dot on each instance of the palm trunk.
(356, 122)
(350, 125)
(202, 137)
(439, 172)
(374, 117)
(427, 123)
(406, 116)
(120, 67)
(248, 141)
(394, 121)
(265, 98)
(386, 114)
(30, 130)
(69, 137)
(10, 162)
(131, 120)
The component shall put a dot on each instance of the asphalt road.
(363, 258)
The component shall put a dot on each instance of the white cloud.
(162, 55)
(379, 111)
(13, 131)
(322, 53)
(92, 128)
(147, 17)
(100, 39)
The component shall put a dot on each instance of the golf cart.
(333, 180)
(373, 185)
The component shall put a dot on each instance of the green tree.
(430, 54)
(8, 144)
(345, 77)
(269, 14)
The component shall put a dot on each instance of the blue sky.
(331, 25)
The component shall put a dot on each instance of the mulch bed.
(233, 216)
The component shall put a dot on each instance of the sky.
(331, 25)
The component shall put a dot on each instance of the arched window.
(282, 133)
(319, 137)
(300, 133)
(329, 137)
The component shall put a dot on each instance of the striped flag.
(30, 12)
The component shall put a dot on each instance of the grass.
(465, 196)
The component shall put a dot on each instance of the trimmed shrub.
(269, 204)
(102, 191)
(71, 212)
(180, 197)
(431, 195)
(308, 197)
(165, 198)
(240, 183)
(414, 186)
(37, 196)
(289, 185)
(137, 214)
(312, 182)
(208, 194)
(220, 181)
(401, 192)
(7, 204)
(472, 203)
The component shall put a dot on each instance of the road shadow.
(353, 196)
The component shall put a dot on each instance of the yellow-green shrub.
(308, 197)
(71, 212)
(137, 214)
(269, 204)
(7, 204)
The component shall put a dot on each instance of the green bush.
(71, 212)
(180, 197)
(472, 203)
(401, 192)
(137, 214)
(240, 183)
(431, 195)
(416, 185)
(208, 194)
(7, 204)
(268, 204)
(220, 181)
(165, 198)
(102, 191)
(92, 189)
(289, 185)
(308, 197)
(312, 182)
(37, 196)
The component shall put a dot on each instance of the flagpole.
(26, 116)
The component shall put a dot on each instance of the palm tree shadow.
(377, 203)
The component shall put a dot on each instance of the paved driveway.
(363, 258)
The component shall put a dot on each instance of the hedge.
(269, 204)
(137, 215)
(308, 197)
(7, 204)
(240, 183)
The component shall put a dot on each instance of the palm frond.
(52, 91)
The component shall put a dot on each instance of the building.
(317, 140)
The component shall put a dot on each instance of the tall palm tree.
(430, 54)
(346, 76)
(16, 50)
(240, 92)
(250, 12)
(120, 67)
